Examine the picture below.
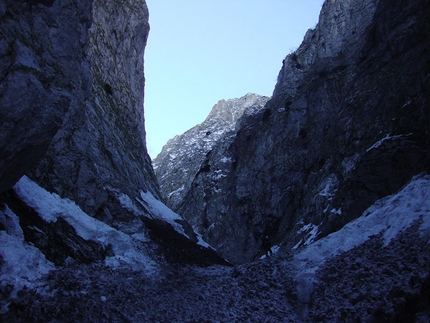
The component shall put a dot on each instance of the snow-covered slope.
(386, 217)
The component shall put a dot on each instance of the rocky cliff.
(101, 150)
(348, 124)
(43, 76)
(72, 104)
(182, 156)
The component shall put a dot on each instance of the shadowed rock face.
(43, 75)
(101, 150)
(71, 89)
(348, 123)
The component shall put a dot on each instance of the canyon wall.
(348, 124)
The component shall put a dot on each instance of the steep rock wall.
(75, 120)
(43, 75)
(348, 124)
(101, 148)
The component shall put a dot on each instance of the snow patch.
(389, 216)
(176, 191)
(50, 207)
(22, 264)
(311, 233)
(161, 211)
(328, 187)
(387, 137)
(225, 160)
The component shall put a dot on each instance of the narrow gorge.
(333, 167)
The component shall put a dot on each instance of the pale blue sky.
(202, 51)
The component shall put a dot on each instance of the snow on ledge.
(51, 206)
(389, 216)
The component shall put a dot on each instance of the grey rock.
(72, 87)
(42, 77)
(100, 150)
(348, 123)
(182, 156)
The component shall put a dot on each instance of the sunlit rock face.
(182, 156)
(44, 74)
(348, 124)
(100, 152)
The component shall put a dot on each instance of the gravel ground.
(370, 283)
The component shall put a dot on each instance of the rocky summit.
(183, 155)
(333, 169)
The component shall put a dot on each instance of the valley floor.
(256, 292)
(370, 283)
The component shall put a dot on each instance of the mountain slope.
(352, 275)
(182, 156)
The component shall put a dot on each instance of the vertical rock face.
(72, 87)
(182, 156)
(43, 75)
(348, 123)
(100, 150)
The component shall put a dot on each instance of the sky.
(202, 51)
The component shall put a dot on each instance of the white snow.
(160, 211)
(311, 233)
(225, 159)
(218, 175)
(176, 191)
(387, 137)
(328, 187)
(23, 263)
(389, 216)
(50, 207)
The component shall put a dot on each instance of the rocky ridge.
(347, 124)
(182, 156)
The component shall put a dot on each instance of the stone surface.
(101, 149)
(182, 156)
(348, 123)
(72, 87)
(42, 76)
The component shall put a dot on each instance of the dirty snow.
(22, 263)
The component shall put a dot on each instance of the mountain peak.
(181, 157)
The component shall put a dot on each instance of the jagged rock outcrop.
(348, 123)
(182, 156)
(42, 76)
